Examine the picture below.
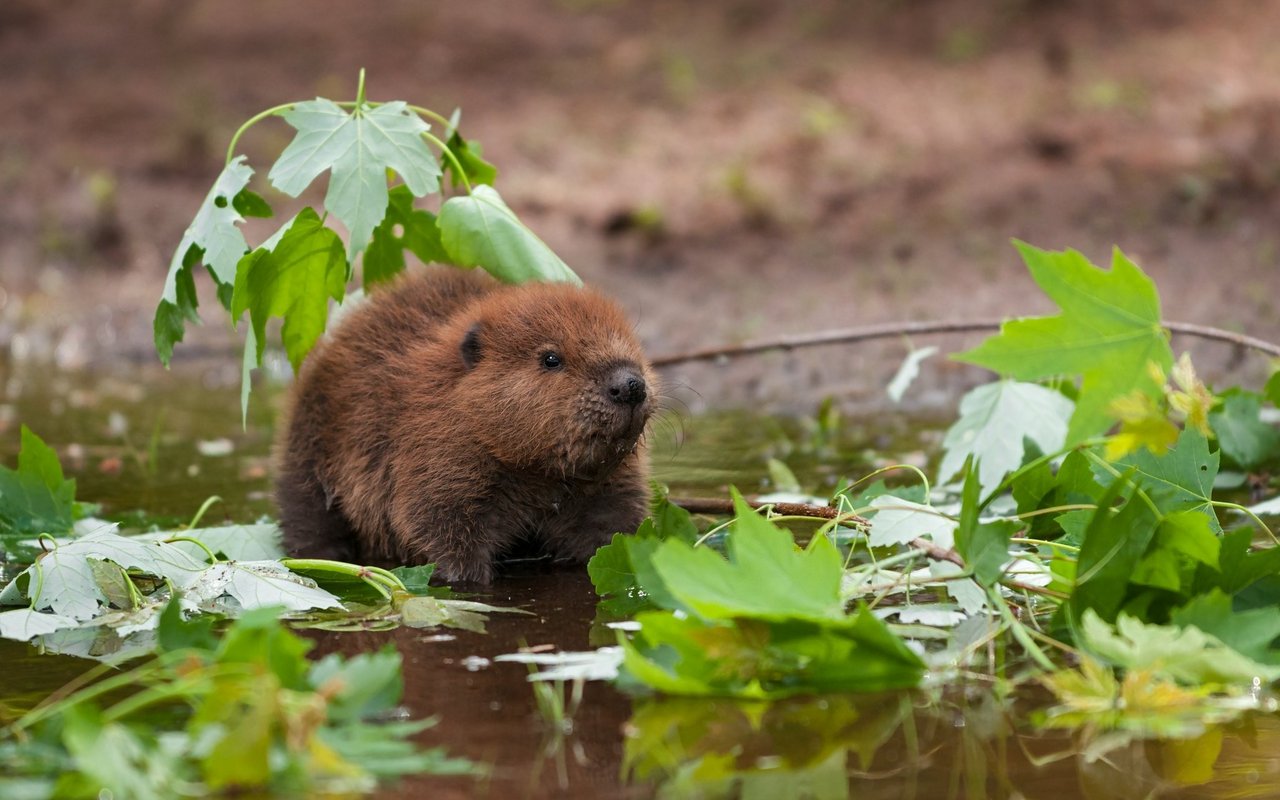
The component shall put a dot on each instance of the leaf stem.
(453, 160)
(254, 120)
(1244, 510)
(203, 508)
(360, 89)
(1019, 631)
(213, 558)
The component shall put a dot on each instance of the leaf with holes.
(1189, 470)
(213, 236)
(404, 228)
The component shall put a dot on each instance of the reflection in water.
(131, 441)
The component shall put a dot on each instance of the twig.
(896, 329)
(715, 505)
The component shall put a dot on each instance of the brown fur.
(399, 449)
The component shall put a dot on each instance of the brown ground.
(730, 169)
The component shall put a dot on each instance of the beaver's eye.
(551, 360)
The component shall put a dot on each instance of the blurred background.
(729, 169)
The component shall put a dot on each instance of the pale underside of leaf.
(995, 420)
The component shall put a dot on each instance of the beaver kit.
(450, 419)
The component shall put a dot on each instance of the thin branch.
(895, 329)
(714, 505)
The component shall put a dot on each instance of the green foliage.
(358, 148)
(470, 155)
(624, 566)
(293, 277)
(1108, 332)
(984, 546)
(244, 712)
(1186, 654)
(479, 229)
(1186, 473)
(1242, 435)
(214, 238)
(299, 269)
(767, 622)
(35, 498)
(418, 233)
(996, 421)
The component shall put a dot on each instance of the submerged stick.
(896, 329)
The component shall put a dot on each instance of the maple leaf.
(1108, 331)
(357, 148)
(212, 237)
(995, 422)
(292, 276)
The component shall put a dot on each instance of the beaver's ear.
(471, 346)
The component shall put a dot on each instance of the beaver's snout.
(626, 387)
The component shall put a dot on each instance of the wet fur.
(425, 428)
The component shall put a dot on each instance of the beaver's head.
(555, 380)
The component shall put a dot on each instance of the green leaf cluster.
(299, 270)
(767, 621)
(245, 712)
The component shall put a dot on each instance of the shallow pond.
(151, 447)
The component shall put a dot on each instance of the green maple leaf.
(358, 148)
(403, 228)
(294, 276)
(766, 576)
(480, 230)
(1189, 470)
(1108, 332)
(213, 236)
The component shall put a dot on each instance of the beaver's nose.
(626, 387)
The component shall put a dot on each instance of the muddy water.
(151, 446)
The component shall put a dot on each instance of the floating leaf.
(260, 542)
(237, 586)
(898, 521)
(1186, 654)
(766, 575)
(996, 420)
(593, 665)
(1108, 332)
(24, 624)
(68, 586)
(479, 230)
(358, 147)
